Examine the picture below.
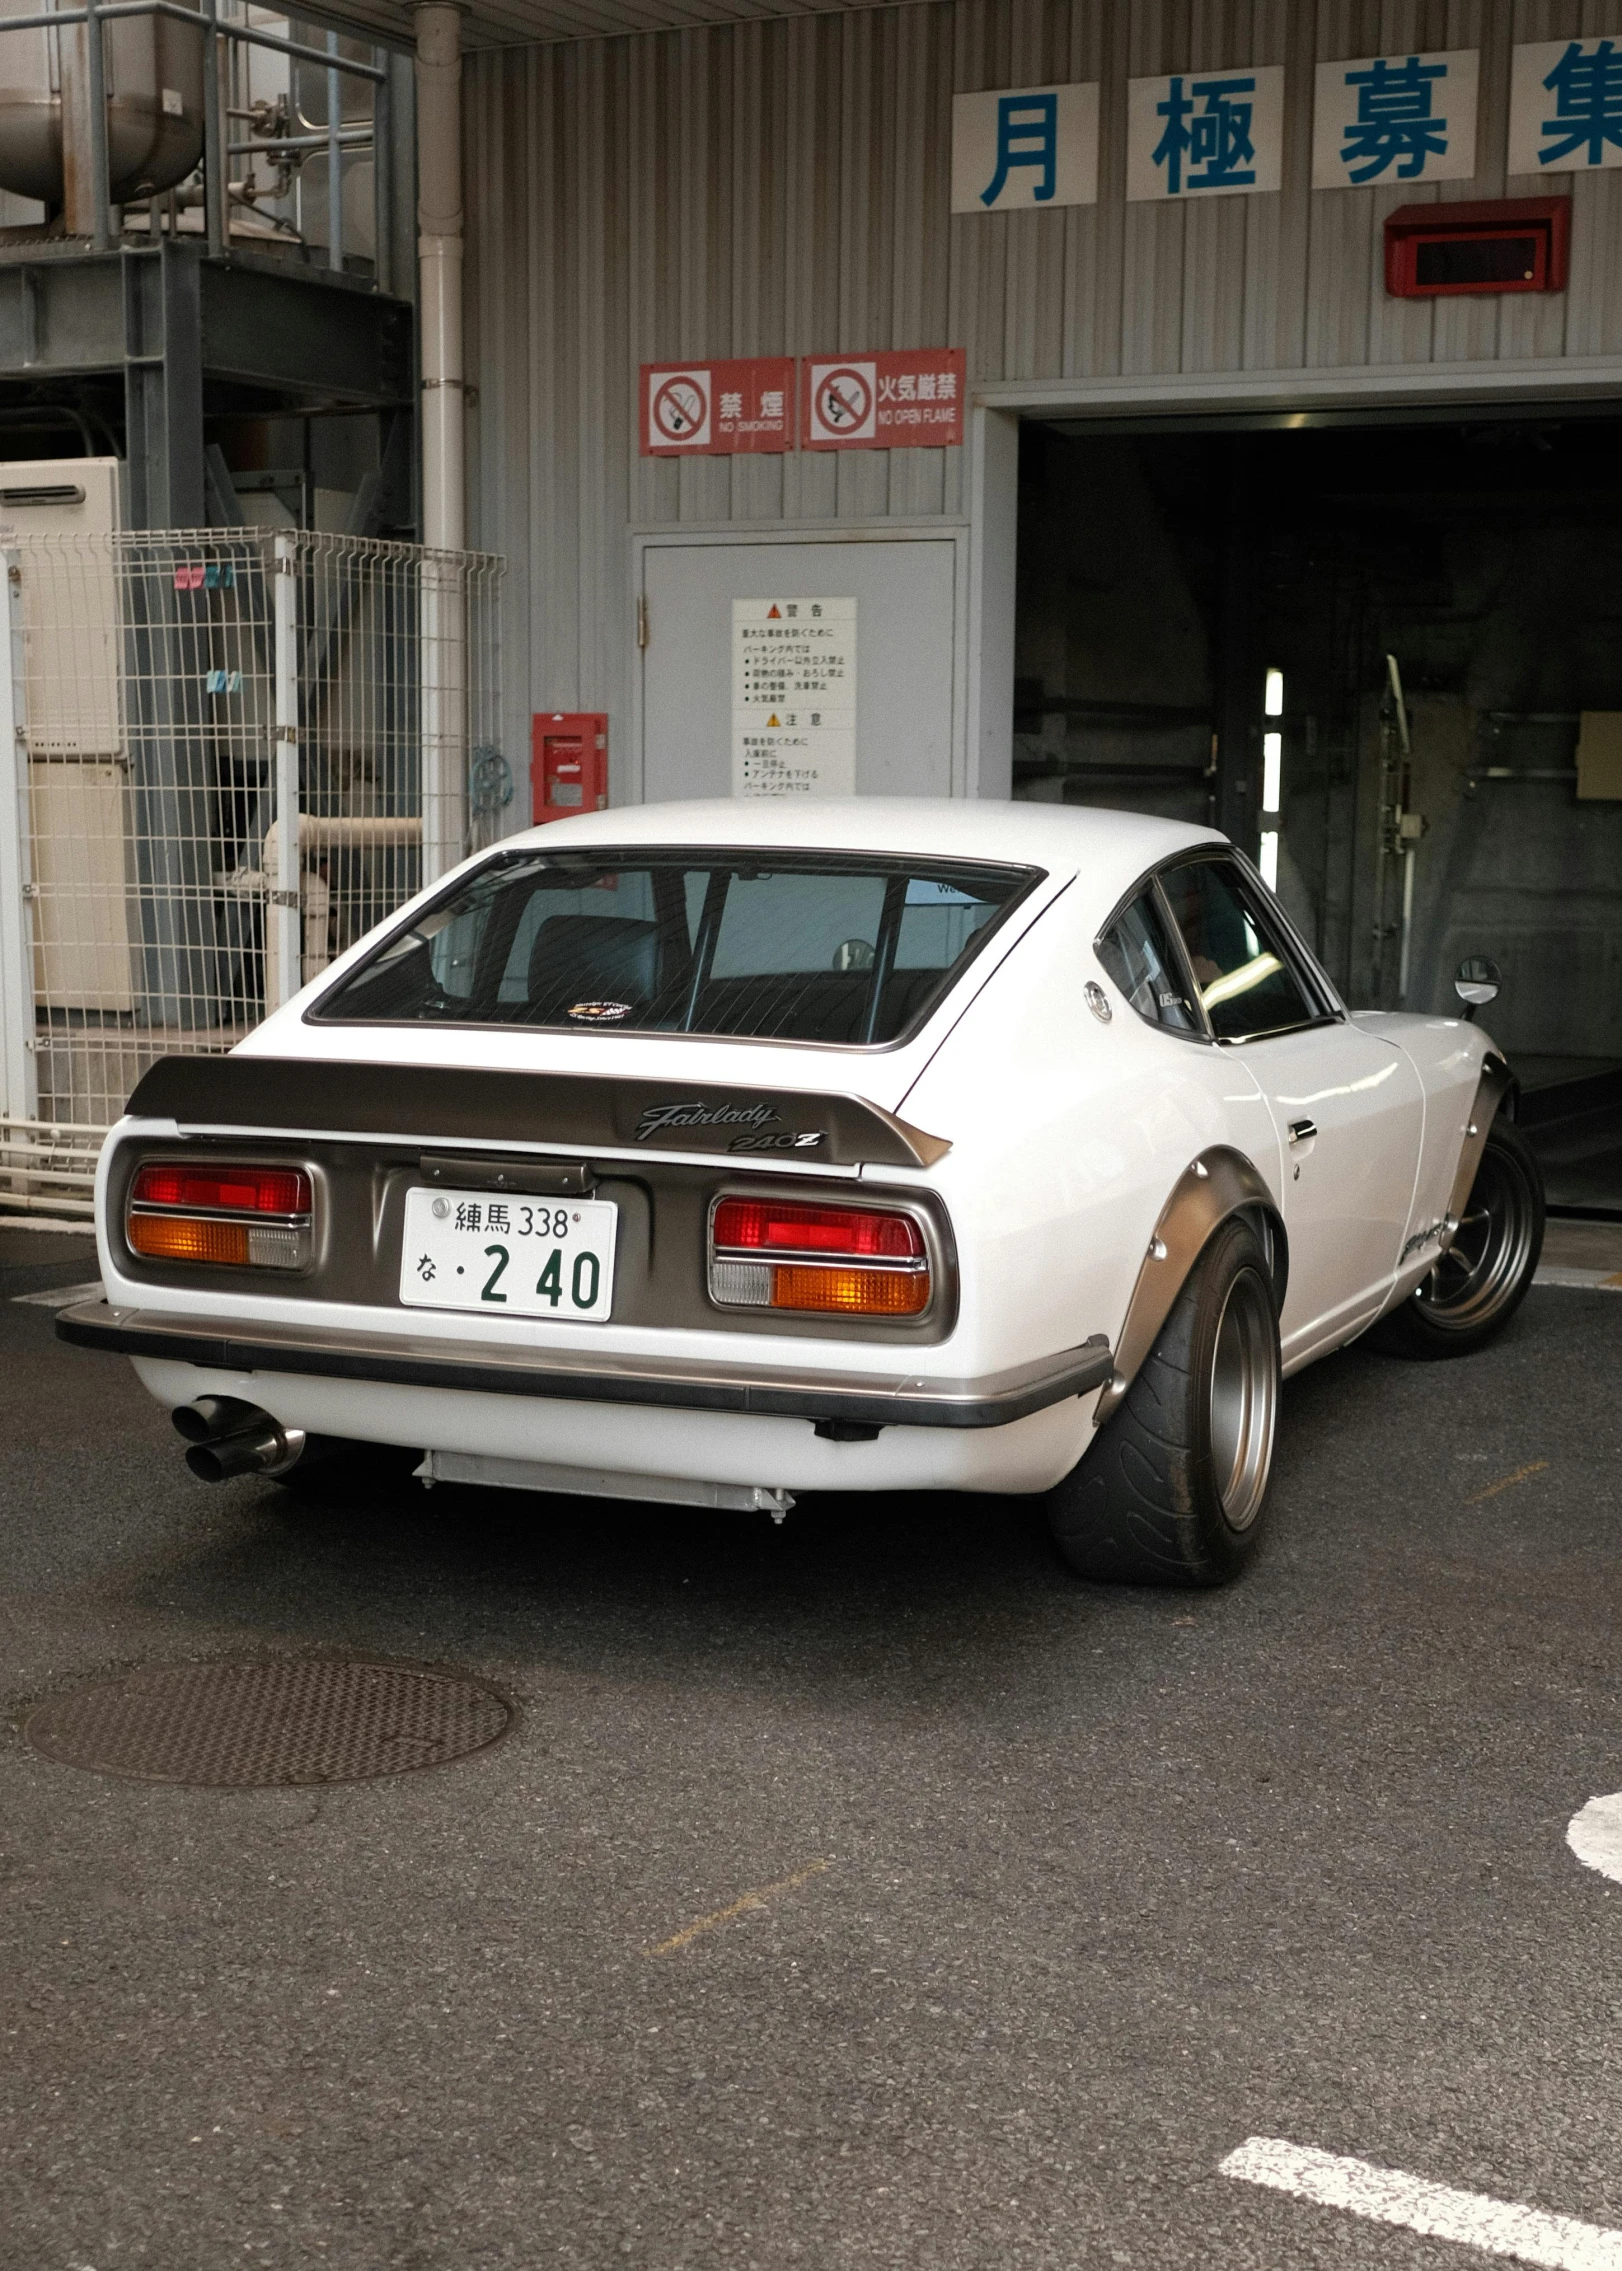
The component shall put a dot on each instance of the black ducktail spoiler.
(441, 1104)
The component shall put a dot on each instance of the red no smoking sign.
(728, 409)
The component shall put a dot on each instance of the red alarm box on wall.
(1516, 244)
(568, 764)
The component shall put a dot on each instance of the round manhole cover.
(261, 1725)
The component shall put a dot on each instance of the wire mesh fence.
(235, 751)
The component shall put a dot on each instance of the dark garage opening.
(1183, 595)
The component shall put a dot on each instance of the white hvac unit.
(73, 728)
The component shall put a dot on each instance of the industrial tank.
(154, 104)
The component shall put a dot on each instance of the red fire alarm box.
(1519, 244)
(568, 765)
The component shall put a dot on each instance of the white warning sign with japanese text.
(794, 697)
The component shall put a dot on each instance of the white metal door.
(1350, 1110)
(905, 589)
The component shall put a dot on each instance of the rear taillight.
(243, 1217)
(851, 1261)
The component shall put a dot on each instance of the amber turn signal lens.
(186, 1238)
(851, 1293)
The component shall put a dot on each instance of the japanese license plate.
(509, 1257)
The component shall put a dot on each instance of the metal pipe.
(230, 1437)
(439, 248)
(382, 188)
(1410, 860)
(216, 218)
(443, 619)
(248, 32)
(254, 38)
(335, 164)
(264, 1447)
(210, 1416)
(352, 137)
(54, 19)
(19, 1058)
(101, 232)
(283, 941)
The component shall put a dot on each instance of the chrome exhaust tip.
(210, 1416)
(263, 1447)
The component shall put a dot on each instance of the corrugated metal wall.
(783, 188)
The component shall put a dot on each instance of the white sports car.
(716, 1152)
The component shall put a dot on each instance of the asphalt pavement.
(1062, 1892)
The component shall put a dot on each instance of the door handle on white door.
(1303, 1131)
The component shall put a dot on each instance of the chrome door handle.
(1303, 1131)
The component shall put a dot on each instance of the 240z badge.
(792, 1139)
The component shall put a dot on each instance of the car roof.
(1106, 849)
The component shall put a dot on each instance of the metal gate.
(224, 755)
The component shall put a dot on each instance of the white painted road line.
(1587, 1281)
(62, 1296)
(1495, 2227)
(1595, 1835)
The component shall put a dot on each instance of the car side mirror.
(1476, 982)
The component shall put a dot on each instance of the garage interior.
(1373, 643)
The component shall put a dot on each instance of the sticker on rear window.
(922, 892)
(599, 1012)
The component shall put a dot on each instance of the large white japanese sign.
(794, 697)
(1395, 118)
(1028, 148)
(1565, 106)
(1205, 133)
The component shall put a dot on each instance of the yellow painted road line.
(756, 1899)
(1535, 1467)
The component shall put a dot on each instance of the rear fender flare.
(1212, 1188)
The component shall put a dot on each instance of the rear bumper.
(855, 1398)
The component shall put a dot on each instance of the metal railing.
(95, 15)
(224, 756)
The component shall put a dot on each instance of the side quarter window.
(1242, 962)
(1140, 958)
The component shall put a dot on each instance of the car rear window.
(847, 949)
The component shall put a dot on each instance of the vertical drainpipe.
(439, 253)
(443, 643)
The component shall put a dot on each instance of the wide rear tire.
(1479, 1283)
(1173, 1490)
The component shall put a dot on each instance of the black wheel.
(1174, 1489)
(1480, 1282)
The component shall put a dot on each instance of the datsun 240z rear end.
(701, 1153)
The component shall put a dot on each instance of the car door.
(1349, 1106)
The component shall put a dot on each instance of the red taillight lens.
(765, 1226)
(254, 1217)
(234, 1190)
(850, 1261)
